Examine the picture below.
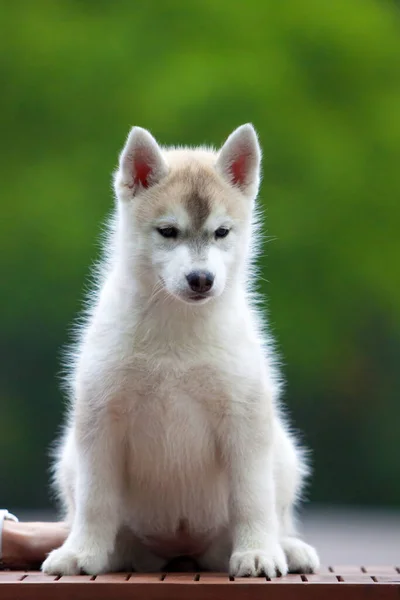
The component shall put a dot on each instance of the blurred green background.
(321, 83)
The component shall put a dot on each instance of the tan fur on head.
(194, 185)
(196, 191)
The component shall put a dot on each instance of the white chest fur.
(173, 466)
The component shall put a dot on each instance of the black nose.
(200, 281)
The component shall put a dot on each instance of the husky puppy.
(175, 445)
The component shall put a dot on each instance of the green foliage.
(321, 83)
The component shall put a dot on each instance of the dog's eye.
(168, 232)
(221, 232)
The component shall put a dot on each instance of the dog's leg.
(301, 557)
(247, 447)
(98, 492)
(290, 470)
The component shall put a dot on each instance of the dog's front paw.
(69, 561)
(301, 557)
(268, 562)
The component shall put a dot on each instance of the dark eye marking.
(168, 232)
(221, 232)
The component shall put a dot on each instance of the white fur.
(174, 442)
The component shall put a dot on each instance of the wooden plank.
(393, 579)
(39, 577)
(320, 578)
(113, 578)
(381, 569)
(260, 581)
(159, 591)
(287, 579)
(75, 579)
(356, 585)
(11, 576)
(179, 578)
(214, 579)
(325, 570)
(346, 570)
(146, 578)
(355, 578)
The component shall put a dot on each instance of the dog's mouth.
(196, 298)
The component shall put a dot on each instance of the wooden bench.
(331, 583)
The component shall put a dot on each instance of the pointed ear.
(239, 159)
(141, 163)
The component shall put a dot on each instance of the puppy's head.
(186, 213)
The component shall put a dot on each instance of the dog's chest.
(173, 466)
(172, 418)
